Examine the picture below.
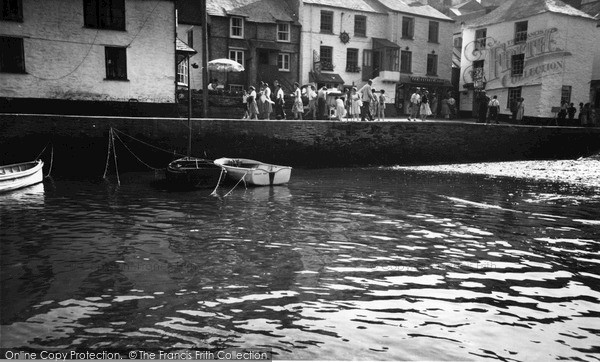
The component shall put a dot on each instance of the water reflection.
(344, 264)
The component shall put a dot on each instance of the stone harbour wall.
(80, 143)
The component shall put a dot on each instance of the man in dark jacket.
(483, 106)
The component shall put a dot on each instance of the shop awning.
(332, 78)
(421, 81)
(379, 43)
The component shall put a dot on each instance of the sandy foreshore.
(581, 172)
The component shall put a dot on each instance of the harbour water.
(362, 263)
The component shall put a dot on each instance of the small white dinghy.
(21, 175)
(255, 172)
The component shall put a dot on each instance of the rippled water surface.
(339, 264)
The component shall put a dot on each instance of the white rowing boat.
(21, 175)
(255, 172)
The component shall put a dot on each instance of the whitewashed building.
(398, 45)
(541, 50)
(118, 51)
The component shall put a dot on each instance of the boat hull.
(16, 176)
(192, 173)
(255, 173)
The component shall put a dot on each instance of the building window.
(458, 42)
(434, 30)
(393, 59)
(326, 58)
(432, 62)
(408, 27)
(283, 32)
(182, 72)
(405, 61)
(360, 25)
(517, 62)
(237, 55)
(326, 21)
(565, 94)
(513, 96)
(283, 62)
(352, 61)
(11, 10)
(480, 38)
(116, 63)
(520, 32)
(104, 14)
(12, 55)
(190, 38)
(236, 27)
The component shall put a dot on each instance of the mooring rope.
(115, 154)
(148, 144)
(108, 154)
(51, 161)
(240, 180)
(134, 155)
(214, 193)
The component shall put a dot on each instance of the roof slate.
(356, 5)
(513, 10)
(260, 11)
(415, 8)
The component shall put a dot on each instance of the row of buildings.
(77, 54)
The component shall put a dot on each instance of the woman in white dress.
(355, 105)
(425, 110)
(298, 107)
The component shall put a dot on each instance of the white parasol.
(225, 65)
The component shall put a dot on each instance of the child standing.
(381, 106)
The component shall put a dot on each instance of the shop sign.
(426, 80)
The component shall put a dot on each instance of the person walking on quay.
(513, 109)
(484, 100)
(374, 102)
(269, 102)
(298, 107)
(340, 109)
(433, 103)
(264, 102)
(311, 94)
(494, 109)
(580, 114)
(445, 109)
(381, 106)
(415, 103)
(451, 105)
(520, 109)
(425, 109)
(252, 106)
(571, 112)
(245, 104)
(562, 114)
(366, 97)
(356, 104)
(321, 104)
(279, 101)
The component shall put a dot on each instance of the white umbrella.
(225, 65)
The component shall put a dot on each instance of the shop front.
(408, 84)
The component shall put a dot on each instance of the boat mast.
(204, 60)
(189, 149)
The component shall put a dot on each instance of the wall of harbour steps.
(80, 143)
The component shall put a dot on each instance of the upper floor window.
(12, 56)
(405, 61)
(480, 38)
(116, 63)
(360, 25)
(11, 10)
(236, 27)
(434, 30)
(432, 63)
(326, 21)
(182, 72)
(458, 42)
(326, 55)
(104, 14)
(237, 55)
(408, 27)
(518, 63)
(190, 38)
(283, 62)
(283, 32)
(521, 32)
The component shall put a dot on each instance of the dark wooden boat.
(192, 172)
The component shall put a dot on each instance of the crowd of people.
(424, 104)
